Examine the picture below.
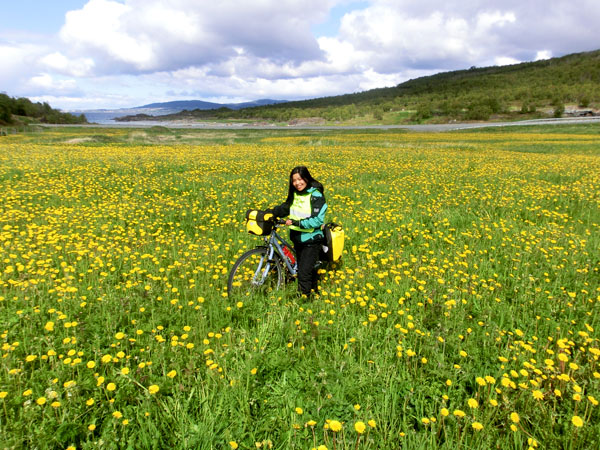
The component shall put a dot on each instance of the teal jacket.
(318, 207)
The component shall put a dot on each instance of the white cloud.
(78, 67)
(489, 20)
(155, 35)
(398, 34)
(543, 54)
(131, 52)
(100, 28)
(505, 61)
(48, 83)
(17, 62)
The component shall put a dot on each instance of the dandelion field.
(465, 313)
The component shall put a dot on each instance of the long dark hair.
(307, 177)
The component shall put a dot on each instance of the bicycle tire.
(250, 265)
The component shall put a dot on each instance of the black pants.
(308, 276)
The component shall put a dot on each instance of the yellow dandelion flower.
(515, 417)
(477, 426)
(335, 426)
(172, 374)
(372, 423)
(577, 421)
(153, 389)
(299, 411)
(233, 444)
(117, 414)
(111, 387)
(41, 401)
(360, 427)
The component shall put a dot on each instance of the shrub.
(423, 111)
(584, 101)
(559, 110)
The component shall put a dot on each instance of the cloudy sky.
(86, 54)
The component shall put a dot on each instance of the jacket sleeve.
(318, 207)
(282, 210)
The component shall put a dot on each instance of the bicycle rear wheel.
(254, 273)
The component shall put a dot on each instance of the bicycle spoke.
(254, 273)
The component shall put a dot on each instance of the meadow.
(465, 313)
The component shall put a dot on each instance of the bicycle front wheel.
(254, 273)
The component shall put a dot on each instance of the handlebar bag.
(259, 223)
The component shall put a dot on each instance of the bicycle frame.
(275, 243)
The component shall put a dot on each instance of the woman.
(305, 205)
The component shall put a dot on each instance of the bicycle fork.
(264, 267)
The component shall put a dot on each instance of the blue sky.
(36, 16)
(88, 54)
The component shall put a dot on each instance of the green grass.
(471, 268)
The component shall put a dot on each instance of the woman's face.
(298, 182)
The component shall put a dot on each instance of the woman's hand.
(288, 222)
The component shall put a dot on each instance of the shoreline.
(188, 124)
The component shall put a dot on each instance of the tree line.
(19, 110)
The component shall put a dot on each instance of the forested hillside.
(532, 89)
(23, 111)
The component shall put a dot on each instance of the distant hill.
(163, 110)
(474, 94)
(552, 87)
(199, 104)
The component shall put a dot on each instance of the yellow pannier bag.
(259, 222)
(334, 242)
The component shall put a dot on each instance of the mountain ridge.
(201, 104)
